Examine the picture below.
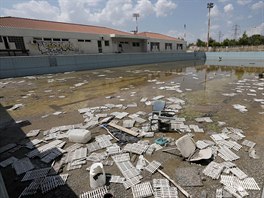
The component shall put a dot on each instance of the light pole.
(136, 15)
(209, 6)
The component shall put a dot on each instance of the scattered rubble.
(123, 146)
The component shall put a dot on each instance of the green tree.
(257, 39)
(200, 43)
(225, 42)
(244, 40)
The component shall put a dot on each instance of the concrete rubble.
(75, 146)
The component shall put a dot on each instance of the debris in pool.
(15, 107)
(240, 108)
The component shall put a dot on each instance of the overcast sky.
(162, 16)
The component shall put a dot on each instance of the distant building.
(39, 37)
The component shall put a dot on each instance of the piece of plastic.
(97, 175)
(161, 141)
(79, 135)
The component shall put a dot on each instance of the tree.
(225, 42)
(200, 43)
(257, 39)
(232, 42)
(244, 40)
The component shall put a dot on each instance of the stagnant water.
(207, 89)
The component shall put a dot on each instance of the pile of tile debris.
(51, 147)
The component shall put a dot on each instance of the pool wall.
(34, 65)
(257, 56)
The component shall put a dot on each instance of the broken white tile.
(166, 192)
(204, 119)
(227, 154)
(128, 123)
(131, 182)
(240, 108)
(15, 107)
(143, 100)
(142, 190)
(33, 143)
(97, 193)
(78, 84)
(132, 105)
(248, 143)
(112, 150)
(229, 94)
(32, 188)
(121, 157)
(7, 147)
(156, 146)
(153, 166)
(33, 133)
(158, 97)
(80, 153)
(201, 144)
(119, 115)
(196, 128)
(23, 165)
(8, 161)
(57, 113)
(148, 103)
(238, 172)
(34, 174)
(213, 170)
(117, 179)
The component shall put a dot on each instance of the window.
(136, 44)
(88, 41)
(1, 40)
(179, 46)
(124, 42)
(37, 39)
(56, 39)
(154, 46)
(64, 39)
(168, 46)
(47, 39)
(106, 43)
(19, 41)
(80, 40)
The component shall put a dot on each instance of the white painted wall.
(72, 46)
(162, 45)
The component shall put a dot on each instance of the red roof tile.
(157, 36)
(16, 22)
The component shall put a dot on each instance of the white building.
(36, 37)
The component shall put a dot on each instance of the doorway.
(99, 44)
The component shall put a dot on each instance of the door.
(100, 49)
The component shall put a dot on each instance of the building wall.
(128, 45)
(71, 45)
(43, 42)
(162, 47)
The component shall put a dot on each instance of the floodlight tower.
(184, 36)
(209, 6)
(136, 15)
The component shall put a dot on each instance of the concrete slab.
(188, 176)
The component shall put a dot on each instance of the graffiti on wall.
(53, 48)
